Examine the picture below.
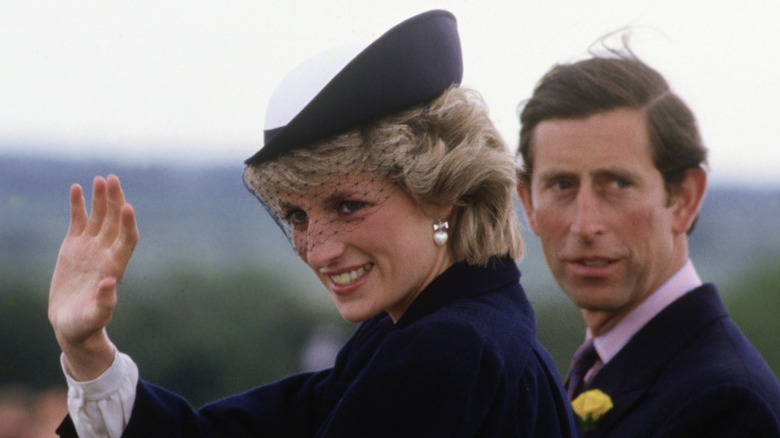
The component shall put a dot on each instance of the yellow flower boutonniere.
(590, 407)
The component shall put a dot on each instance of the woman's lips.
(346, 282)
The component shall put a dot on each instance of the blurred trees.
(206, 334)
(754, 303)
(28, 351)
(210, 334)
(202, 334)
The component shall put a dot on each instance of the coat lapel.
(634, 370)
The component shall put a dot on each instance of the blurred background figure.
(48, 409)
(28, 414)
(16, 417)
(321, 348)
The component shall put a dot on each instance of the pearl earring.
(440, 235)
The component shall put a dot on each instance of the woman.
(403, 210)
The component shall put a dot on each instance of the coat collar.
(635, 368)
(460, 281)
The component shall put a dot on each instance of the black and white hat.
(409, 65)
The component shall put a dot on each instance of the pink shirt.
(610, 343)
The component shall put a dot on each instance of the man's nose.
(588, 215)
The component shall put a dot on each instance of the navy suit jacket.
(463, 361)
(689, 372)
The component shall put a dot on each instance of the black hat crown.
(409, 65)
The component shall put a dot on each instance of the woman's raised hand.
(90, 265)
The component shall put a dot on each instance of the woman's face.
(368, 242)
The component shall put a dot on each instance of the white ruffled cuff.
(101, 408)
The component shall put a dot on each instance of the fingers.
(98, 212)
(105, 218)
(114, 201)
(78, 211)
(128, 233)
(128, 236)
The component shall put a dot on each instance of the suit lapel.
(636, 367)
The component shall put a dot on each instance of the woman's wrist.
(90, 359)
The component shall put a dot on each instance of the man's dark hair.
(617, 80)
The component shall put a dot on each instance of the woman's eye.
(349, 207)
(296, 217)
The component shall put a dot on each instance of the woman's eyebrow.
(342, 193)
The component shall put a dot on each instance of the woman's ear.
(688, 199)
(441, 212)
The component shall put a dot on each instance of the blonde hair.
(445, 153)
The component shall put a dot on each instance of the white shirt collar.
(609, 344)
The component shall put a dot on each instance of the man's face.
(601, 211)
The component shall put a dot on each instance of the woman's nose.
(320, 244)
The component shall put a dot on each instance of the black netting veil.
(317, 192)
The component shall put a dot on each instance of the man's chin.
(595, 300)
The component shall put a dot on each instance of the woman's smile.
(349, 277)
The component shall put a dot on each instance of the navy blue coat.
(463, 361)
(689, 373)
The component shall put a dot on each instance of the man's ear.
(687, 200)
(524, 193)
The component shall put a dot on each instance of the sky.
(188, 81)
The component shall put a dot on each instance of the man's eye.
(349, 207)
(296, 217)
(563, 185)
(621, 184)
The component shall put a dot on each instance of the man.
(612, 180)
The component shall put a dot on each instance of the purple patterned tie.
(583, 359)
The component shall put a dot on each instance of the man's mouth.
(594, 263)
